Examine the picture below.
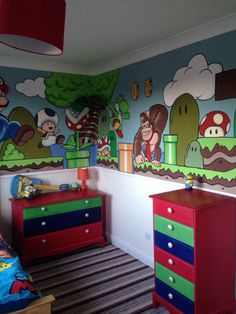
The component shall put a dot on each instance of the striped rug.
(96, 280)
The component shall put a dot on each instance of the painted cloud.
(197, 79)
(31, 88)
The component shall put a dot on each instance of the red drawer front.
(175, 264)
(174, 212)
(68, 237)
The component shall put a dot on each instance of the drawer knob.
(170, 261)
(86, 215)
(170, 296)
(86, 201)
(170, 210)
(43, 223)
(87, 231)
(44, 241)
(43, 209)
(170, 245)
(170, 227)
(171, 279)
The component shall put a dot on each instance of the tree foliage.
(64, 90)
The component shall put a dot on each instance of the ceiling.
(104, 34)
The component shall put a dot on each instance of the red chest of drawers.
(57, 222)
(195, 252)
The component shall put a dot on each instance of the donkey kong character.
(148, 137)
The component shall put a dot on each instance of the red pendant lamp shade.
(33, 25)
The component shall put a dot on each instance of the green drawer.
(175, 281)
(174, 229)
(59, 208)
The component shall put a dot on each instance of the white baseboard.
(144, 258)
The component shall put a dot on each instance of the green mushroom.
(193, 156)
(184, 120)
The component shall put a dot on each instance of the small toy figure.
(24, 187)
(74, 186)
(188, 182)
(29, 192)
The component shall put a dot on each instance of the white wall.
(128, 206)
(129, 209)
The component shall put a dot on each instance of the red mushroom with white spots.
(214, 124)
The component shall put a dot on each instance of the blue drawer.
(173, 297)
(179, 249)
(36, 226)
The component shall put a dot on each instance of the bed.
(39, 306)
(17, 291)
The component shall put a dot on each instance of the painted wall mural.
(192, 132)
(56, 123)
(167, 117)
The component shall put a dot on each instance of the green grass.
(210, 142)
(209, 174)
(109, 159)
(27, 162)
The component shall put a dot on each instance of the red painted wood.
(194, 199)
(215, 257)
(60, 241)
(179, 266)
(55, 197)
(179, 214)
(62, 238)
(214, 222)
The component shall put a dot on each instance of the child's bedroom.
(117, 157)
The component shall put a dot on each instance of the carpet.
(96, 280)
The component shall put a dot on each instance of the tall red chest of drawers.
(195, 252)
(57, 222)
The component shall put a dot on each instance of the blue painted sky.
(220, 49)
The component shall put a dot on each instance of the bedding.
(16, 287)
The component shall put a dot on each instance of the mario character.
(46, 121)
(19, 134)
(22, 282)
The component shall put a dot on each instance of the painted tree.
(75, 92)
(235, 123)
(65, 90)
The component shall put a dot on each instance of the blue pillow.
(16, 288)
